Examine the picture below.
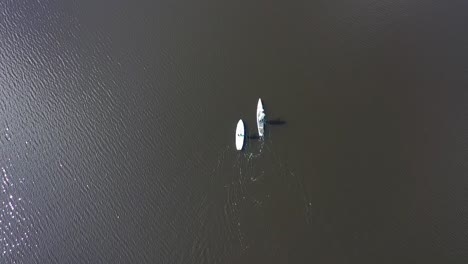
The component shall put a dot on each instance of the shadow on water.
(276, 122)
(249, 135)
(273, 122)
(253, 136)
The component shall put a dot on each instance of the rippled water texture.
(117, 123)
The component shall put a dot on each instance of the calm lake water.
(117, 123)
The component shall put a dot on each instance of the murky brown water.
(117, 128)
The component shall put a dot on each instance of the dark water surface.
(117, 126)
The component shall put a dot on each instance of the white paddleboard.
(260, 118)
(240, 131)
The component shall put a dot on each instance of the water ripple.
(17, 224)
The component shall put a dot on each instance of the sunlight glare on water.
(15, 229)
